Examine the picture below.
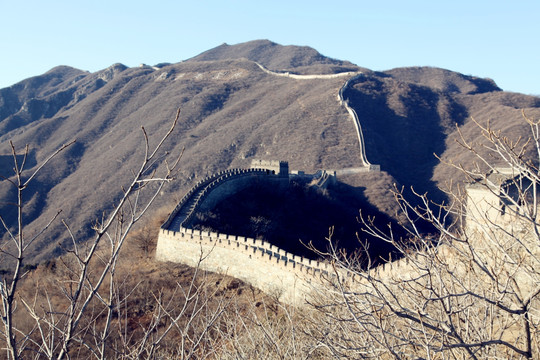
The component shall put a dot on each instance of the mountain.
(410, 114)
(233, 112)
(295, 59)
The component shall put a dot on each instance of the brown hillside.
(443, 80)
(297, 59)
(409, 115)
(233, 112)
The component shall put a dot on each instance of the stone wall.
(292, 278)
(357, 125)
(287, 276)
(234, 185)
(353, 75)
(307, 77)
(229, 183)
(265, 266)
(200, 184)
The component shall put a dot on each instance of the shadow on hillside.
(7, 165)
(404, 126)
(299, 215)
(35, 194)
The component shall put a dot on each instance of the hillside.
(296, 59)
(233, 112)
(409, 115)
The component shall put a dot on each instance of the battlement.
(292, 278)
(256, 261)
(265, 266)
(501, 198)
(280, 168)
(255, 248)
(260, 263)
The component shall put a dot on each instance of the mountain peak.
(277, 57)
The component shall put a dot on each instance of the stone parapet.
(289, 277)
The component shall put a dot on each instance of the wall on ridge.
(292, 279)
(288, 277)
(357, 125)
(307, 77)
(275, 271)
(353, 75)
(200, 184)
(219, 187)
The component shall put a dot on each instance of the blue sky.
(495, 39)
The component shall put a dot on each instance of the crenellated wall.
(353, 75)
(289, 277)
(292, 278)
(263, 265)
(186, 208)
(307, 77)
(357, 125)
(258, 262)
(229, 183)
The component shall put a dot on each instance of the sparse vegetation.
(252, 115)
(107, 298)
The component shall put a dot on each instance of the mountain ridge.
(233, 112)
(277, 57)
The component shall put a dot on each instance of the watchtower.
(497, 202)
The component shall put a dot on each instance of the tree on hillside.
(85, 304)
(471, 292)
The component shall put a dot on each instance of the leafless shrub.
(470, 292)
(65, 324)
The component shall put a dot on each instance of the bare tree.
(471, 291)
(145, 239)
(89, 287)
(83, 306)
(266, 330)
(183, 324)
(8, 287)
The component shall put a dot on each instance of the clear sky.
(496, 39)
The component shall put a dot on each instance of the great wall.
(353, 75)
(291, 278)
(261, 264)
(255, 261)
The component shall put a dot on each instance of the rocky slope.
(233, 112)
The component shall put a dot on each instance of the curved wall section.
(288, 277)
(263, 265)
